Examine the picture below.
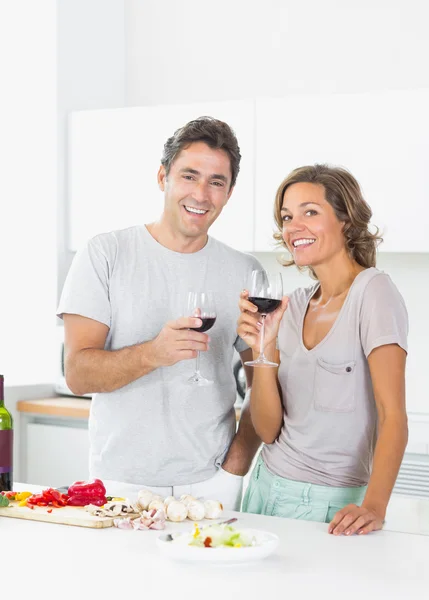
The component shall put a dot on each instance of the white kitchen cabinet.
(56, 454)
(382, 138)
(114, 157)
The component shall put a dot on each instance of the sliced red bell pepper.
(85, 499)
(82, 493)
(95, 486)
(49, 496)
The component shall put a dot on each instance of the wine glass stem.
(261, 342)
(197, 362)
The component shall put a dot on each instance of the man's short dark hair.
(216, 134)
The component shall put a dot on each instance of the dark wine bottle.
(6, 444)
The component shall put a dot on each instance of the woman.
(332, 416)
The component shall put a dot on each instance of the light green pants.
(269, 494)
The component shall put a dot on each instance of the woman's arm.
(387, 368)
(266, 407)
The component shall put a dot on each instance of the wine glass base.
(199, 380)
(260, 363)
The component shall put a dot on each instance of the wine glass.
(201, 305)
(266, 292)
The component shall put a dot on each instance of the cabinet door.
(114, 157)
(56, 455)
(382, 138)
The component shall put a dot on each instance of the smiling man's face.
(196, 189)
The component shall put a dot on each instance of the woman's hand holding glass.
(249, 324)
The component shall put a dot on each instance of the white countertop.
(40, 559)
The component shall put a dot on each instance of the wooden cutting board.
(68, 515)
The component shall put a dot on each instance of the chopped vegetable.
(215, 536)
(22, 495)
(9, 495)
(112, 509)
(85, 499)
(48, 497)
(4, 500)
(82, 493)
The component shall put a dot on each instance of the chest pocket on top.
(334, 386)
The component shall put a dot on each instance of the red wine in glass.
(265, 292)
(208, 323)
(201, 305)
(265, 305)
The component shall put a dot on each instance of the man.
(129, 342)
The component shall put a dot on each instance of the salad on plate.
(216, 536)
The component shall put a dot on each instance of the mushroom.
(168, 500)
(196, 510)
(157, 504)
(176, 511)
(144, 498)
(186, 499)
(213, 509)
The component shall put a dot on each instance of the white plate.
(266, 544)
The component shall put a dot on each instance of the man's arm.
(245, 443)
(90, 369)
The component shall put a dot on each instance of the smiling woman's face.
(311, 230)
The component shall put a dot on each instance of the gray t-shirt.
(330, 419)
(159, 430)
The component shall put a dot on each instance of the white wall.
(91, 74)
(27, 191)
(191, 51)
(28, 266)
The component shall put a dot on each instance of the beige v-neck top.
(330, 419)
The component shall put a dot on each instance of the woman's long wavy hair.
(343, 193)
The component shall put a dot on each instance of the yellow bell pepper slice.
(23, 495)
